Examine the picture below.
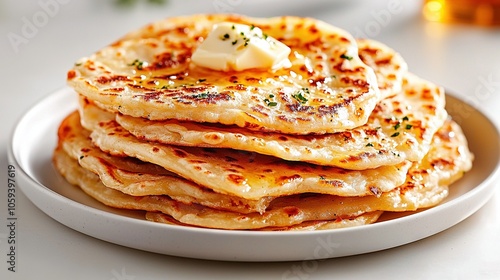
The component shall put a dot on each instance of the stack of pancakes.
(335, 140)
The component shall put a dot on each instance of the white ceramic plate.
(35, 137)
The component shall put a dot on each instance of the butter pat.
(237, 47)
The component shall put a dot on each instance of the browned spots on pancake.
(371, 132)
(206, 98)
(114, 78)
(250, 125)
(180, 153)
(150, 95)
(345, 40)
(398, 111)
(242, 218)
(430, 107)
(114, 89)
(65, 131)
(287, 179)
(382, 62)
(110, 169)
(169, 59)
(297, 107)
(333, 183)
(356, 82)
(236, 179)
(445, 135)
(260, 109)
(212, 137)
(86, 101)
(71, 74)
(313, 29)
(332, 109)
(317, 81)
(152, 44)
(137, 87)
(407, 186)
(369, 51)
(391, 76)
(198, 168)
(347, 136)
(441, 163)
(252, 80)
(291, 211)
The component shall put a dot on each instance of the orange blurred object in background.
(480, 12)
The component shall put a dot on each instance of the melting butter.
(237, 47)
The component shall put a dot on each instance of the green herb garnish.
(300, 97)
(201, 95)
(137, 63)
(269, 102)
(346, 56)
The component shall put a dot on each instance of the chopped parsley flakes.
(344, 56)
(137, 63)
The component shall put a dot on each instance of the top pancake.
(149, 74)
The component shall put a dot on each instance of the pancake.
(140, 178)
(137, 178)
(149, 74)
(195, 214)
(400, 128)
(247, 174)
(364, 219)
(389, 66)
(426, 185)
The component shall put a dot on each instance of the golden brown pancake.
(363, 219)
(247, 174)
(390, 68)
(426, 185)
(138, 178)
(327, 89)
(278, 215)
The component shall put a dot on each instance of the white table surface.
(464, 59)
